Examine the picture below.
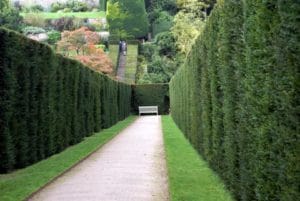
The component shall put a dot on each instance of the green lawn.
(113, 54)
(190, 178)
(131, 63)
(48, 15)
(20, 184)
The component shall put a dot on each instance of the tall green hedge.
(48, 102)
(151, 95)
(237, 97)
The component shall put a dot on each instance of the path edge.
(165, 157)
(74, 165)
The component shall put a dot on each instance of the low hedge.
(151, 95)
(48, 102)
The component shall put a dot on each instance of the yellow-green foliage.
(237, 97)
(127, 18)
(48, 102)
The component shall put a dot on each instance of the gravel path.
(131, 167)
(121, 68)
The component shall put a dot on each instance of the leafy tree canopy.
(83, 42)
(9, 17)
(167, 5)
(188, 23)
(129, 16)
(194, 7)
(116, 18)
(4, 4)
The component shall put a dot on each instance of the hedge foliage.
(48, 102)
(151, 95)
(237, 97)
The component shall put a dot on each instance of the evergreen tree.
(9, 17)
(129, 16)
(102, 5)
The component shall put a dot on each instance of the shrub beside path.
(130, 167)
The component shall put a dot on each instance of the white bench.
(148, 110)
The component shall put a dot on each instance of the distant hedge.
(48, 102)
(151, 95)
(237, 97)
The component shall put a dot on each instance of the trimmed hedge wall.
(237, 97)
(151, 95)
(48, 102)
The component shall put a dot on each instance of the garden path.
(131, 167)
(121, 68)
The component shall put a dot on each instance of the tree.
(83, 42)
(77, 40)
(167, 5)
(161, 21)
(166, 46)
(195, 7)
(188, 23)
(159, 70)
(3, 5)
(9, 17)
(96, 59)
(102, 5)
(128, 15)
(116, 19)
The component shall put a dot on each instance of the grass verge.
(190, 178)
(48, 15)
(20, 184)
(113, 55)
(131, 63)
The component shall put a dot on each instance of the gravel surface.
(131, 167)
(121, 68)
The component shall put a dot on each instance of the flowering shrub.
(83, 43)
